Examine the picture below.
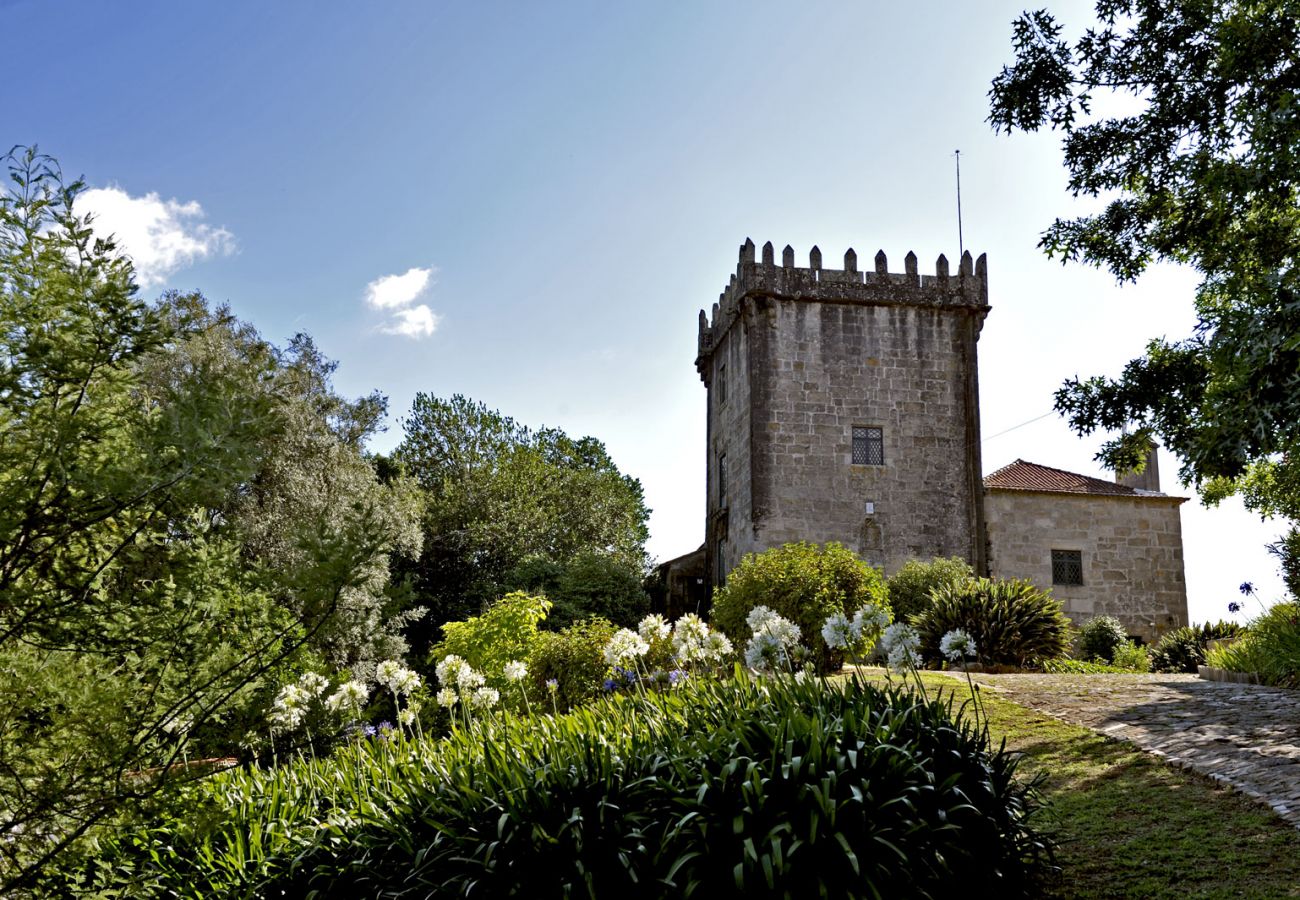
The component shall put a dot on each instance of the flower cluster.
(515, 671)
(293, 702)
(349, 698)
(461, 684)
(694, 641)
(401, 681)
(842, 633)
(901, 644)
(654, 628)
(775, 638)
(625, 646)
(956, 645)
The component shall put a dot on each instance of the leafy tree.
(312, 470)
(587, 585)
(1203, 171)
(130, 617)
(497, 494)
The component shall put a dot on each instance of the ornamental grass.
(731, 787)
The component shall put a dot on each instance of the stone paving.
(1246, 736)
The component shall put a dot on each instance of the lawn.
(1130, 825)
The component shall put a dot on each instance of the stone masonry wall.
(1132, 550)
(810, 353)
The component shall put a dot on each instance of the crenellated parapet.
(760, 276)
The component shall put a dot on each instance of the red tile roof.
(1027, 476)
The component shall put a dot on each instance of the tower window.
(1067, 567)
(722, 385)
(722, 480)
(868, 446)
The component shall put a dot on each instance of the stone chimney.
(1146, 480)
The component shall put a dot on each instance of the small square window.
(722, 480)
(1067, 567)
(868, 446)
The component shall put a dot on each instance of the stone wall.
(810, 353)
(1132, 551)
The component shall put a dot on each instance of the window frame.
(872, 437)
(1065, 563)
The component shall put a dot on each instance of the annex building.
(843, 404)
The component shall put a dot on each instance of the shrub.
(1100, 636)
(1183, 649)
(506, 631)
(1270, 648)
(910, 586)
(720, 788)
(805, 584)
(1131, 658)
(574, 658)
(1012, 622)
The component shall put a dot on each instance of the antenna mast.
(961, 244)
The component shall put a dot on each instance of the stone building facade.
(1103, 548)
(844, 405)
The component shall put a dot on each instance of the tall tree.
(130, 615)
(1202, 169)
(499, 496)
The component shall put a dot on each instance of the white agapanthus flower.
(350, 697)
(757, 617)
(717, 646)
(838, 632)
(690, 638)
(386, 671)
(289, 709)
(516, 671)
(447, 697)
(313, 684)
(763, 653)
(780, 628)
(449, 668)
(406, 717)
(397, 678)
(956, 644)
(484, 697)
(654, 628)
(869, 619)
(467, 680)
(625, 646)
(900, 643)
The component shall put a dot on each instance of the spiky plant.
(1012, 622)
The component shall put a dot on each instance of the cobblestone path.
(1246, 736)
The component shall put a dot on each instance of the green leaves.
(717, 789)
(1205, 171)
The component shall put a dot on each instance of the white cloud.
(161, 236)
(395, 294)
(416, 322)
(395, 291)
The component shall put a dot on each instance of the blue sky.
(566, 184)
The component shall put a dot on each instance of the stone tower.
(844, 405)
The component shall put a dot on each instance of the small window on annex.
(722, 480)
(1067, 567)
(868, 446)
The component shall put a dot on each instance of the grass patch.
(1130, 825)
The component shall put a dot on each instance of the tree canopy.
(501, 501)
(163, 562)
(1202, 168)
